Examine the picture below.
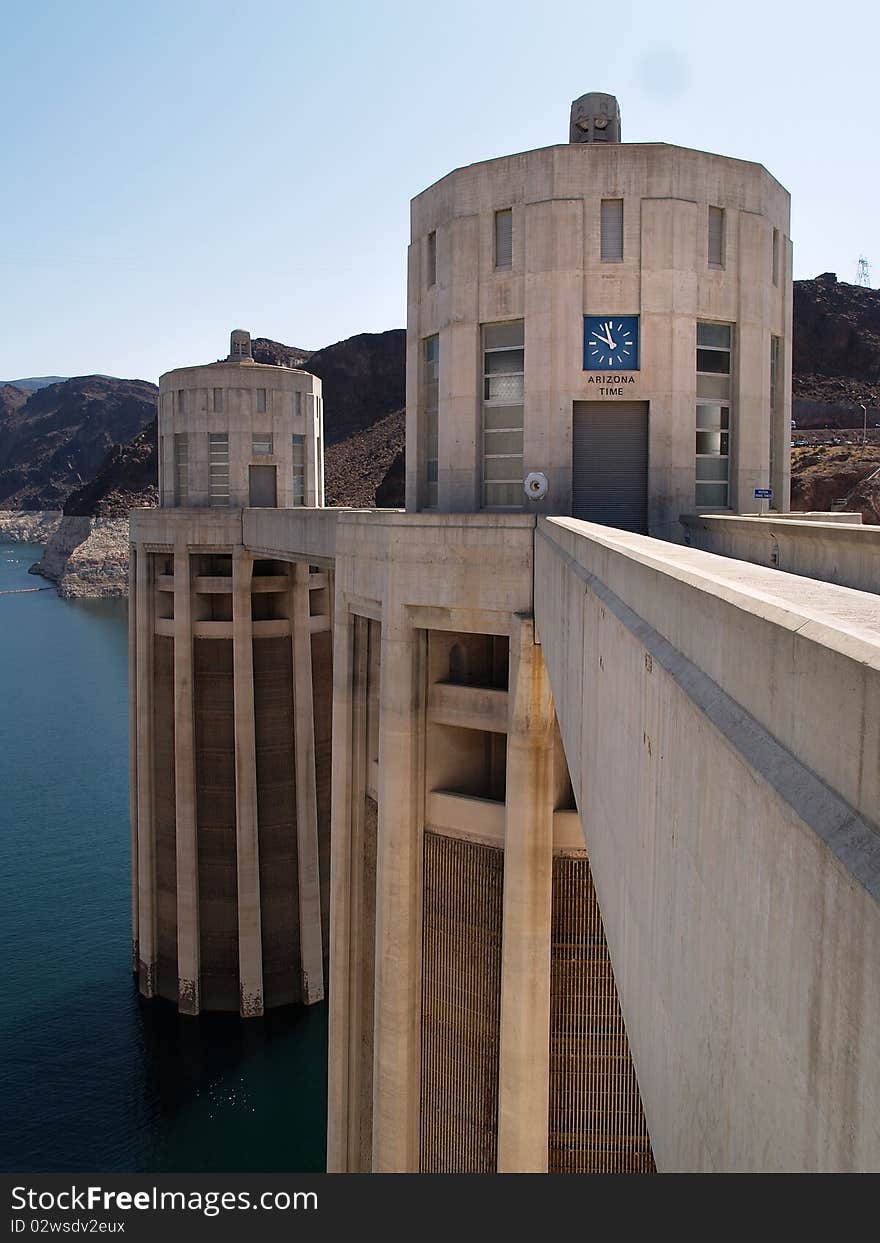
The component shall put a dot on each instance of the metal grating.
(461, 1006)
(213, 703)
(276, 819)
(597, 1124)
(165, 816)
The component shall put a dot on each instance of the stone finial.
(594, 118)
(239, 345)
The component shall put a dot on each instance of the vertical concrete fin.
(250, 948)
(146, 854)
(311, 946)
(188, 957)
(528, 890)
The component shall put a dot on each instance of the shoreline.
(85, 558)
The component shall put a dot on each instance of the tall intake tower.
(230, 698)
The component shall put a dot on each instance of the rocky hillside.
(836, 351)
(365, 469)
(278, 355)
(57, 438)
(364, 379)
(127, 478)
(11, 399)
(835, 470)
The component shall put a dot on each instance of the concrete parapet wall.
(722, 727)
(842, 552)
(439, 562)
(209, 528)
(305, 533)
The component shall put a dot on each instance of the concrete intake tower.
(231, 700)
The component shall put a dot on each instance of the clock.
(611, 343)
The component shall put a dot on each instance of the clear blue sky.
(174, 170)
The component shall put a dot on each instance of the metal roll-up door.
(610, 463)
(263, 490)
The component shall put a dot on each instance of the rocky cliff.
(28, 526)
(87, 557)
(58, 437)
(836, 350)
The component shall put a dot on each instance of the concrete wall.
(433, 633)
(841, 552)
(557, 276)
(722, 727)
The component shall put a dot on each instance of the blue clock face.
(611, 343)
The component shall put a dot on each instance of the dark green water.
(91, 1077)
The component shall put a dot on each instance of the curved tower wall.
(258, 407)
(550, 272)
(231, 703)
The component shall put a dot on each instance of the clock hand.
(606, 337)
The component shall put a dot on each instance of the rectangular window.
(181, 470)
(181, 401)
(713, 421)
(611, 230)
(504, 239)
(299, 470)
(775, 259)
(432, 259)
(774, 402)
(431, 407)
(716, 237)
(262, 442)
(218, 400)
(503, 390)
(218, 468)
(261, 401)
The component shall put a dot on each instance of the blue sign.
(611, 343)
(763, 494)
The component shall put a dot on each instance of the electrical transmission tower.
(863, 273)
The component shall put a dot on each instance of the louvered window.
(774, 402)
(181, 401)
(299, 470)
(611, 223)
(262, 443)
(218, 400)
(714, 366)
(181, 470)
(218, 467)
(504, 239)
(432, 259)
(775, 260)
(716, 237)
(261, 401)
(503, 391)
(431, 399)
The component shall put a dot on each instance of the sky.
(173, 170)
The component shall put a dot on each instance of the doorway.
(263, 491)
(609, 469)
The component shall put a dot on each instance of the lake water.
(92, 1077)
